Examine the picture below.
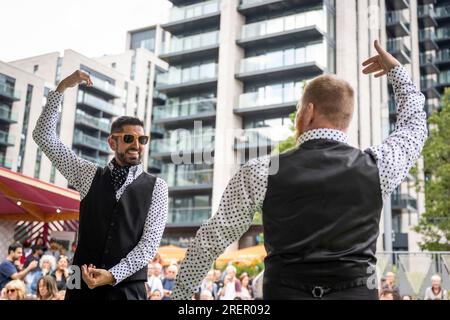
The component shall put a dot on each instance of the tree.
(434, 224)
(290, 142)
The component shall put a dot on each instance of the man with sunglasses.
(123, 210)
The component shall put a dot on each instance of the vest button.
(106, 251)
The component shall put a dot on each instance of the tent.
(24, 198)
(247, 255)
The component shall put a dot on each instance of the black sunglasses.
(129, 138)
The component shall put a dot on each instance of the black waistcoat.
(321, 214)
(110, 229)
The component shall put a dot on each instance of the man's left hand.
(96, 277)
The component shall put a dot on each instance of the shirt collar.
(135, 170)
(325, 133)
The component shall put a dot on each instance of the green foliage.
(435, 222)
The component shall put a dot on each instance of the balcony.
(6, 115)
(154, 165)
(88, 100)
(262, 7)
(443, 36)
(185, 80)
(403, 202)
(5, 162)
(87, 141)
(200, 46)
(308, 61)
(6, 139)
(188, 180)
(400, 49)
(7, 92)
(100, 161)
(104, 88)
(428, 87)
(261, 138)
(442, 13)
(397, 4)
(186, 143)
(159, 97)
(427, 16)
(275, 101)
(428, 64)
(185, 112)
(397, 24)
(86, 120)
(443, 58)
(188, 217)
(196, 16)
(427, 40)
(301, 27)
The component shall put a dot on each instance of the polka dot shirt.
(80, 174)
(246, 191)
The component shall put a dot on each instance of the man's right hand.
(381, 63)
(74, 79)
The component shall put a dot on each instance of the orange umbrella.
(171, 254)
(247, 255)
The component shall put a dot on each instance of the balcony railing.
(102, 162)
(177, 76)
(9, 92)
(99, 104)
(442, 33)
(403, 201)
(272, 97)
(7, 115)
(395, 17)
(188, 216)
(105, 86)
(187, 143)
(194, 11)
(91, 121)
(284, 24)
(5, 162)
(443, 55)
(6, 138)
(207, 106)
(188, 178)
(81, 138)
(442, 11)
(190, 43)
(426, 11)
(262, 137)
(279, 59)
(399, 44)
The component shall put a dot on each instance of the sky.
(91, 27)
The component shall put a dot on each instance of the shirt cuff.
(395, 72)
(116, 274)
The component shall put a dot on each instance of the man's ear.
(112, 143)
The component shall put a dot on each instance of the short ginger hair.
(333, 99)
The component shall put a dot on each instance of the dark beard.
(123, 159)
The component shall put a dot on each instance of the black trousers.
(276, 291)
(134, 290)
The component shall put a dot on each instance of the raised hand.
(74, 79)
(382, 63)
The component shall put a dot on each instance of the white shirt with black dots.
(80, 174)
(246, 191)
